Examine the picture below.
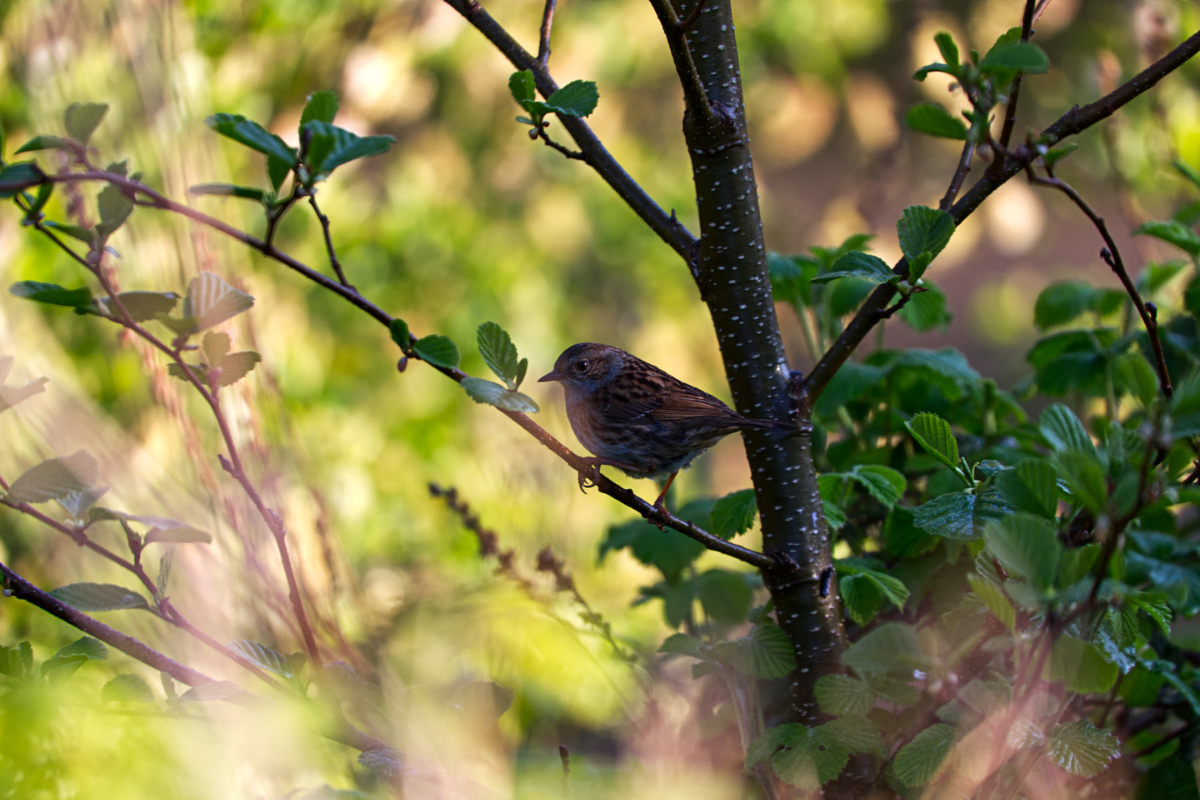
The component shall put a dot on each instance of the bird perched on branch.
(633, 416)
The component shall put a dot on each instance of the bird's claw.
(589, 475)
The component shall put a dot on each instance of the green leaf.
(951, 516)
(934, 435)
(330, 146)
(813, 758)
(521, 85)
(398, 328)
(172, 531)
(437, 350)
(278, 170)
(252, 135)
(99, 597)
(55, 478)
(576, 99)
(44, 143)
(858, 265)
(995, 600)
(668, 551)
(947, 47)
(236, 366)
(1064, 431)
(209, 692)
(1016, 56)
(883, 483)
(229, 190)
(1137, 377)
(498, 351)
(921, 760)
(16, 661)
(902, 538)
(684, 645)
(935, 120)
(926, 70)
(1172, 232)
(141, 306)
(767, 652)
(1060, 303)
(115, 207)
(1027, 547)
(734, 514)
(211, 301)
(16, 178)
(1174, 778)
(1056, 154)
(927, 310)
(1084, 476)
(263, 657)
(891, 647)
(1031, 487)
(52, 294)
(861, 597)
(843, 694)
(924, 230)
(494, 394)
(321, 106)
(1081, 748)
(87, 647)
(82, 119)
(126, 688)
(85, 235)
(1081, 666)
(725, 596)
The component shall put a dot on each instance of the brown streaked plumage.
(633, 416)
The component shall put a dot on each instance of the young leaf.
(951, 516)
(85, 235)
(210, 301)
(398, 328)
(236, 366)
(947, 47)
(576, 99)
(173, 532)
(321, 106)
(498, 351)
(77, 503)
(493, 394)
(934, 435)
(126, 688)
(1175, 233)
(99, 597)
(684, 645)
(858, 265)
(43, 143)
(16, 178)
(52, 294)
(1014, 56)
(55, 478)
(87, 647)
(521, 85)
(82, 119)
(1064, 431)
(263, 657)
(921, 760)
(141, 306)
(1081, 748)
(115, 207)
(935, 120)
(734, 514)
(924, 230)
(437, 350)
(883, 483)
(331, 146)
(229, 190)
(253, 135)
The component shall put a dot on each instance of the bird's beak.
(554, 375)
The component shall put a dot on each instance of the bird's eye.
(581, 365)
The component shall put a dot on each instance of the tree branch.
(1112, 257)
(543, 58)
(598, 157)
(1069, 124)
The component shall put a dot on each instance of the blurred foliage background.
(466, 220)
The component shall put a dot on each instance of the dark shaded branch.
(566, 151)
(1069, 124)
(1112, 257)
(597, 156)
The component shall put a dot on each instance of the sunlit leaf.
(733, 514)
(922, 759)
(494, 394)
(251, 134)
(934, 434)
(55, 478)
(126, 688)
(99, 597)
(211, 301)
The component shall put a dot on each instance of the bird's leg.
(659, 504)
(590, 474)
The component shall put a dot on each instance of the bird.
(634, 416)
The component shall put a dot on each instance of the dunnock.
(633, 416)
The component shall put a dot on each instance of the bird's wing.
(662, 398)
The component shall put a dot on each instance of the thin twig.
(333, 259)
(1010, 112)
(668, 229)
(693, 15)
(543, 58)
(960, 175)
(1112, 256)
(1069, 124)
(577, 155)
